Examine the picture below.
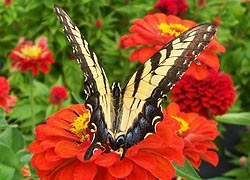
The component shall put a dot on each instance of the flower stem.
(31, 98)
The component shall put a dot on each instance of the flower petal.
(85, 171)
(107, 160)
(145, 160)
(67, 172)
(121, 169)
(164, 169)
(66, 149)
(137, 173)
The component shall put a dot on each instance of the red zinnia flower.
(198, 134)
(172, 7)
(210, 96)
(7, 2)
(98, 23)
(156, 30)
(62, 142)
(6, 101)
(30, 56)
(202, 3)
(57, 95)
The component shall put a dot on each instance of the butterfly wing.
(147, 88)
(96, 85)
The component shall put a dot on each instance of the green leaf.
(12, 138)
(78, 99)
(40, 89)
(22, 111)
(73, 75)
(3, 123)
(6, 172)
(219, 178)
(187, 171)
(242, 118)
(8, 157)
(239, 173)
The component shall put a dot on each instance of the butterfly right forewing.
(147, 88)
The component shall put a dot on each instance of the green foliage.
(235, 118)
(33, 19)
(187, 171)
(11, 145)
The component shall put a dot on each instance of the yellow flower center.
(172, 29)
(183, 125)
(79, 127)
(31, 51)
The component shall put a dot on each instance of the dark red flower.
(98, 23)
(57, 95)
(202, 3)
(156, 30)
(7, 2)
(197, 133)
(62, 142)
(217, 20)
(30, 56)
(172, 7)
(6, 101)
(208, 97)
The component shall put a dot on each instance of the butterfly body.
(121, 118)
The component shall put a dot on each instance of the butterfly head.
(118, 144)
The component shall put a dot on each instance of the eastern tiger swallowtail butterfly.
(124, 117)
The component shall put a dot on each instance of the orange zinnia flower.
(62, 142)
(197, 133)
(30, 56)
(156, 30)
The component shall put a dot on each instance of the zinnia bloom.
(30, 56)
(208, 97)
(172, 7)
(198, 134)
(7, 2)
(98, 23)
(156, 30)
(57, 95)
(6, 101)
(62, 142)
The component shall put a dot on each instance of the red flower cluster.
(6, 101)
(156, 30)
(208, 97)
(172, 7)
(57, 95)
(197, 133)
(62, 142)
(30, 56)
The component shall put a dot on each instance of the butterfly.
(121, 118)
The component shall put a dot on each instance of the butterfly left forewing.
(144, 92)
(96, 84)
